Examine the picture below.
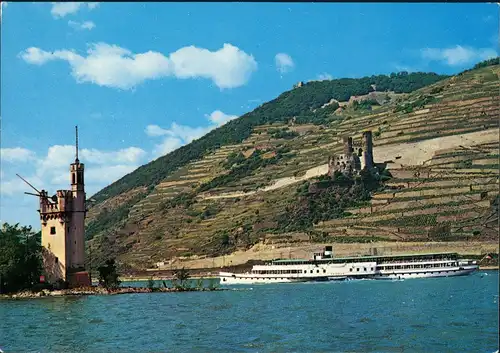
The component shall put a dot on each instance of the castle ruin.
(355, 157)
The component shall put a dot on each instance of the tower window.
(73, 178)
(52, 230)
(56, 260)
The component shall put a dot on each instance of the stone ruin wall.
(355, 156)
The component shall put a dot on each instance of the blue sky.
(141, 79)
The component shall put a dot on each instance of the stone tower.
(347, 143)
(63, 230)
(368, 150)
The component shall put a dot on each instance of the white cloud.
(130, 155)
(49, 170)
(155, 130)
(60, 156)
(228, 67)
(16, 154)
(219, 118)
(284, 62)
(36, 56)
(175, 136)
(62, 9)
(96, 178)
(324, 77)
(52, 170)
(178, 135)
(88, 25)
(183, 132)
(113, 66)
(108, 174)
(406, 68)
(458, 55)
(15, 185)
(168, 145)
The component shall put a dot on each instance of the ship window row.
(284, 272)
(359, 269)
(274, 278)
(418, 258)
(449, 264)
(276, 272)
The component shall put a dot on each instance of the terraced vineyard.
(440, 143)
(454, 190)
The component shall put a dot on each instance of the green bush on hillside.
(245, 168)
(283, 133)
(232, 159)
(420, 102)
(184, 199)
(107, 219)
(485, 63)
(328, 199)
(364, 104)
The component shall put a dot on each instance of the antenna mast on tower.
(76, 130)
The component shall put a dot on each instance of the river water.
(457, 314)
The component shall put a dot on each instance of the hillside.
(240, 184)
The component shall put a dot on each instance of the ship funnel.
(329, 251)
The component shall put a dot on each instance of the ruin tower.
(347, 143)
(367, 149)
(63, 230)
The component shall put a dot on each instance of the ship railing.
(417, 261)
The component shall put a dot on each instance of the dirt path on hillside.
(415, 153)
(269, 252)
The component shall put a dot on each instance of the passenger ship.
(324, 267)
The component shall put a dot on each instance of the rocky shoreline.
(99, 291)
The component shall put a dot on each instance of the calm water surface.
(457, 314)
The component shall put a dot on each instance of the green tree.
(151, 284)
(181, 276)
(489, 62)
(20, 258)
(108, 275)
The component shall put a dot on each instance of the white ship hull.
(261, 280)
(439, 272)
(309, 272)
(244, 278)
